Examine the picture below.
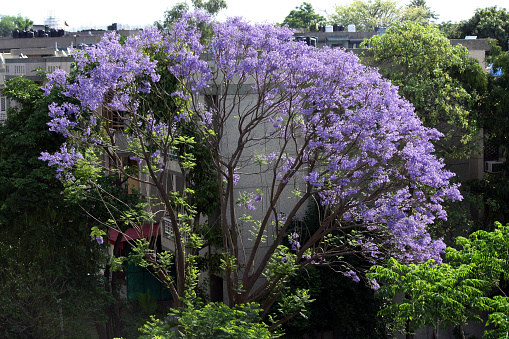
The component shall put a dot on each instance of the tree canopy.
(305, 123)
(366, 15)
(450, 294)
(495, 114)
(440, 80)
(303, 16)
(212, 7)
(46, 254)
(418, 11)
(9, 23)
(489, 22)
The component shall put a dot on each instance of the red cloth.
(146, 231)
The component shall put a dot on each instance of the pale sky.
(99, 14)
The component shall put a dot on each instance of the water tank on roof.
(15, 34)
(328, 29)
(351, 28)
(30, 34)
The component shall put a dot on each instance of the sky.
(99, 14)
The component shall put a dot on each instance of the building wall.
(70, 40)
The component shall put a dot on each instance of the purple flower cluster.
(353, 275)
(292, 238)
(64, 159)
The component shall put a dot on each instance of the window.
(19, 69)
(114, 119)
(51, 69)
(3, 109)
(6, 69)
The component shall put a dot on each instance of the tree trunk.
(114, 327)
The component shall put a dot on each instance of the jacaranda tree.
(305, 123)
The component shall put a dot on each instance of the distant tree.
(488, 22)
(449, 29)
(303, 16)
(366, 15)
(212, 7)
(23, 24)
(9, 23)
(418, 11)
(440, 80)
(496, 108)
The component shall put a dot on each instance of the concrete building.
(28, 56)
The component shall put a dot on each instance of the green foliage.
(303, 16)
(214, 320)
(417, 11)
(202, 178)
(38, 298)
(442, 82)
(340, 304)
(449, 29)
(212, 7)
(487, 22)
(448, 294)
(147, 303)
(495, 107)
(48, 264)
(349, 308)
(9, 23)
(366, 15)
(493, 191)
(433, 294)
(23, 24)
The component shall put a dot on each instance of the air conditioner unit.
(493, 166)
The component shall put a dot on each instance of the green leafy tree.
(23, 24)
(489, 22)
(214, 320)
(496, 111)
(449, 294)
(366, 15)
(450, 29)
(303, 16)
(7, 25)
(418, 11)
(48, 265)
(212, 7)
(442, 82)
(493, 188)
